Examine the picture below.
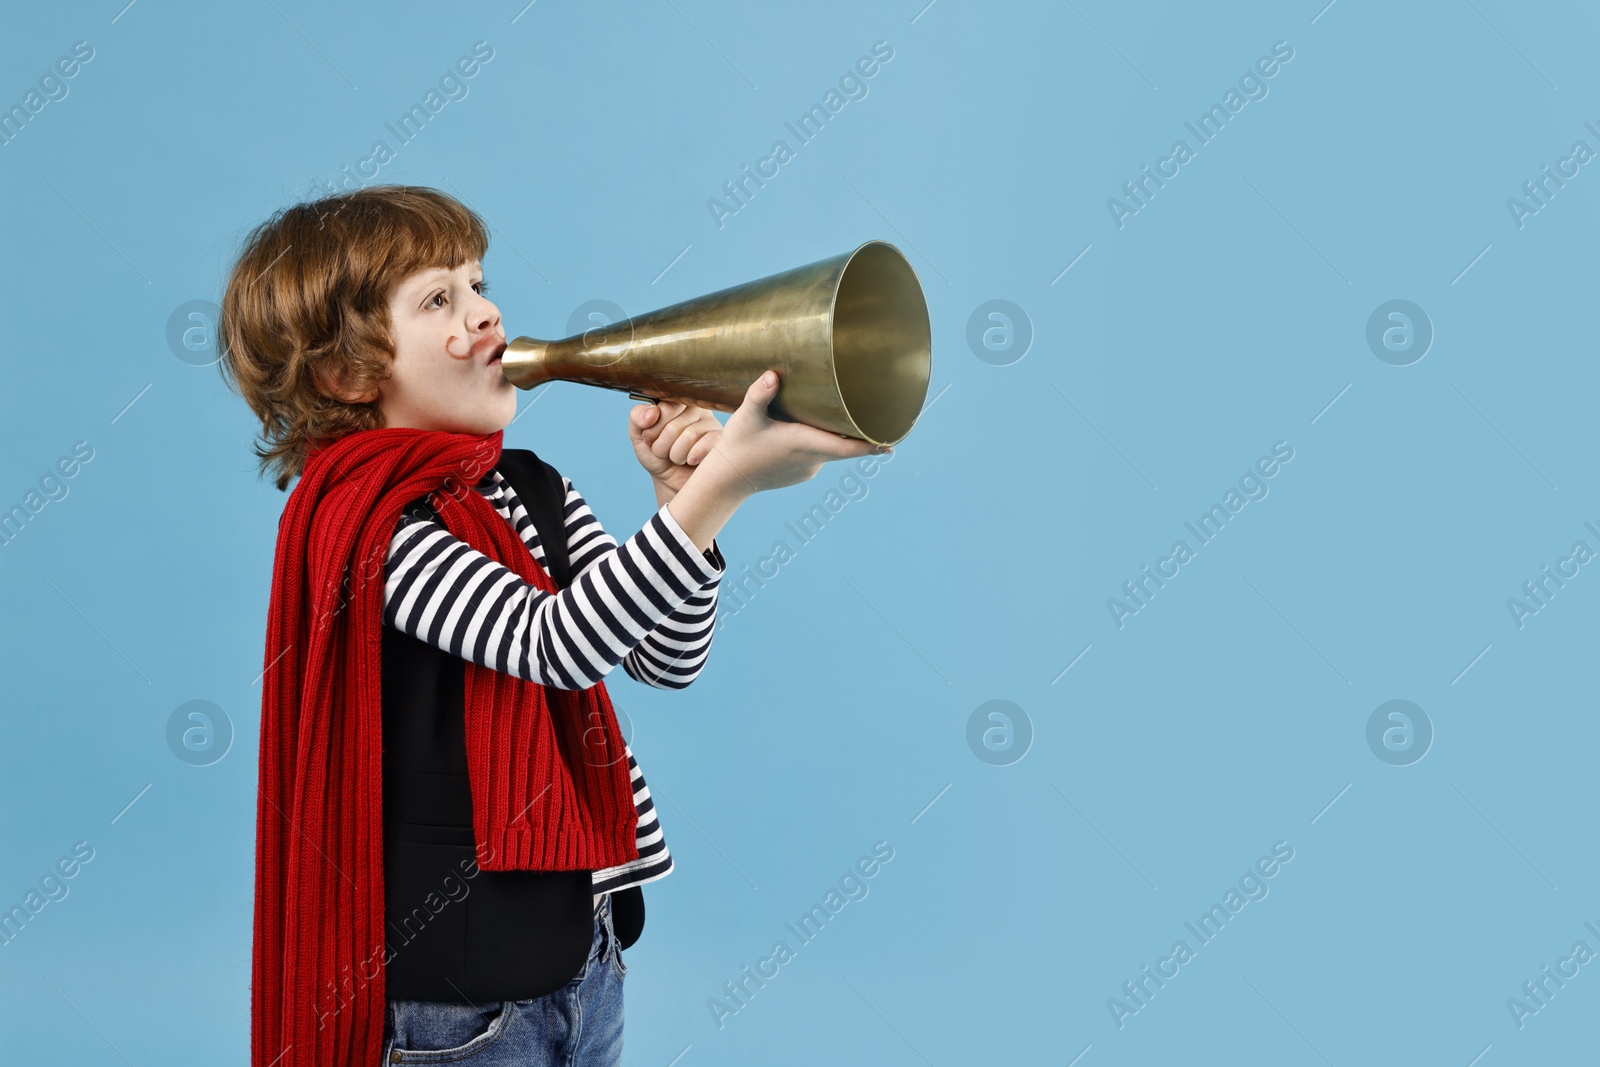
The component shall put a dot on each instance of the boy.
(447, 810)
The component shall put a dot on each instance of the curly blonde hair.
(305, 314)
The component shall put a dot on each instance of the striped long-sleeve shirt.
(649, 603)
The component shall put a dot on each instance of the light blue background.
(1225, 316)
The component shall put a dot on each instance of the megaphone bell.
(848, 336)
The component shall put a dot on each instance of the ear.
(331, 382)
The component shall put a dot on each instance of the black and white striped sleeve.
(441, 591)
(671, 655)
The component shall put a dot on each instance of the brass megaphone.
(848, 335)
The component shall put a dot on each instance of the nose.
(485, 317)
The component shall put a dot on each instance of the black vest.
(455, 930)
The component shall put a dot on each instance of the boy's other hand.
(766, 453)
(671, 437)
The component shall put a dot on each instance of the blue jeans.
(578, 1025)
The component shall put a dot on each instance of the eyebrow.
(419, 287)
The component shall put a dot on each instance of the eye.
(481, 286)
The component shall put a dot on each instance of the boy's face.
(446, 369)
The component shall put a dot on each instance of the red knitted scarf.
(550, 790)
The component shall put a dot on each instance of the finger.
(661, 407)
(667, 411)
(667, 436)
(679, 452)
(689, 433)
(671, 412)
(637, 434)
(836, 447)
(684, 419)
(708, 405)
(702, 448)
(706, 445)
(760, 393)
